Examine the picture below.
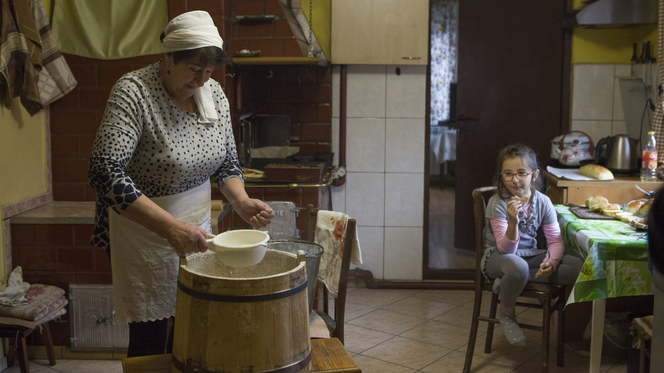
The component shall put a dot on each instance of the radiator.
(92, 319)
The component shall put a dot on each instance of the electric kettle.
(618, 153)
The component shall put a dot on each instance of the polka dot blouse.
(146, 145)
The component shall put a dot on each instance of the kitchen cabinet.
(620, 190)
(380, 32)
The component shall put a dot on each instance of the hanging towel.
(18, 74)
(14, 292)
(55, 78)
(331, 234)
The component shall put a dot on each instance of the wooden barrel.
(252, 319)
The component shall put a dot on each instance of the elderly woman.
(165, 131)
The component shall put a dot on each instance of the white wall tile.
(403, 253)
(596, 129)
(406, 93)
(592, 97)
(366, 91)
(404, 145)
(339, 198)
(365, 198)
(404, 200)
(365, 144)
(336, 79)
(621, 71)
(618, 127)
(371, 246)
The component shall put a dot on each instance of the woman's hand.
(255, 212)
(187, 238)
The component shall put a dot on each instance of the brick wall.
(303, 92)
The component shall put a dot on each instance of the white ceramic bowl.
(240, 248)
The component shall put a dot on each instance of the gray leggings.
(514, 271)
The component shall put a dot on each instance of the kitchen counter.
(620, 190)
(58, 212)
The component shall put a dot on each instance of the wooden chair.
(334, 324)
(545, 293)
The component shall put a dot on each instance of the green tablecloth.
(615, 253)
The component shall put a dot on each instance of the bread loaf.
(596, 172)
(610, 212)
(598, 207)
(625, 216)
(645, 209)
(609, 206)
(595, 200)
(634, 206)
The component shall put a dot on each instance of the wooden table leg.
(597, 334)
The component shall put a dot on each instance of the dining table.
(615, 265)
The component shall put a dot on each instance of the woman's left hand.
(255, 212)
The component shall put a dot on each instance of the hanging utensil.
(648, 194)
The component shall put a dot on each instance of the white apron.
(145, 266)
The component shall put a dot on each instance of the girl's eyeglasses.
(508, 176)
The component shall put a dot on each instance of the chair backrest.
(480, 198)
(340, 300)
(284, 223)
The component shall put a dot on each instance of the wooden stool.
(16, 330)
(17, 346)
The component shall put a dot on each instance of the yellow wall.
(23, 160)
(610, 45)
(322, 24)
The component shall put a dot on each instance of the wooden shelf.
(279, 61)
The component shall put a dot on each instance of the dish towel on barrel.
(331, 234)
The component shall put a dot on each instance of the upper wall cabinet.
(380, 32)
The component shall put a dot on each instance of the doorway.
(513, 86)
(442, 79)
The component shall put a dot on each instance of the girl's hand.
(546, 269)
(187, 238)
(513, 208)
(255, 212)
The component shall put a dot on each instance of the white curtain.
(444, 18)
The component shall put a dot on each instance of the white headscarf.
(193, 30)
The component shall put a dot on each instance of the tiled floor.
(390, 331)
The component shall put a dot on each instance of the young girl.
(511, 256)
